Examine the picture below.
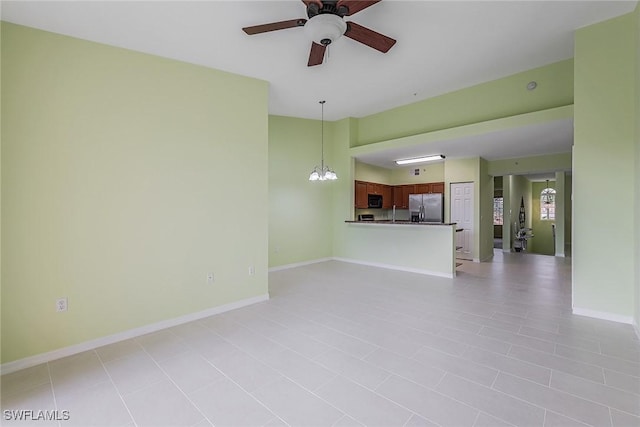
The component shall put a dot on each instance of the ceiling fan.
(326, 24)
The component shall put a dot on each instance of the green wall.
(126, 178)
(0, 193)
(637, 170)
(533, 164)
(604, 257)
(300, 211)
(344, 133)
(503, 97)
(370, 173)
(432, 172)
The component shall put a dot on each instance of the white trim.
(396, 267)
(298, 264)
(38, 359)
(636, 328)
(603, 315)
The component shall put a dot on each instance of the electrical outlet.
(61, 304)
(252, 271)
(209, 278)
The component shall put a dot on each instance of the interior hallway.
(343, 344)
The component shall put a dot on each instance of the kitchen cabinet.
(401, 192)
(374, 188)
(430, 187)
(362, 201)
(406, 190)
(387, 197)
(423, 188)
(364, 188)
(397, 195)
(401, 195)
(437, 187)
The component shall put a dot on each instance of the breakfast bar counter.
(419, 247)
(399, 222)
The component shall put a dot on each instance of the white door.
(462, 214)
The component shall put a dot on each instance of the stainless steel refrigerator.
(426, 207)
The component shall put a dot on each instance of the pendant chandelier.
(322, 172)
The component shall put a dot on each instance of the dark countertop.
(398, 222)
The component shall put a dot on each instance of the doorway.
(498, 212)
(536, 213)
(462, 214)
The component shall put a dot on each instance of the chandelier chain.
(322, 132)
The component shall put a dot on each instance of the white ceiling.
(441, 45)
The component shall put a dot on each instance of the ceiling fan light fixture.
(325, 28)
(420, 159)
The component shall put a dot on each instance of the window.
(548, 204)
(498, 206)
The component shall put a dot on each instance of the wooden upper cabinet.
(397, 195)
(374, 188)
(430, 187)
(371, 187)
(387, 197)
(362, 201)
(363, 189)
(437, 187)
(423, 188)
(401, 195)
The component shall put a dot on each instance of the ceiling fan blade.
(369, 37)
(355, 6)
(316, 55)
(281, 25)
(308, 2)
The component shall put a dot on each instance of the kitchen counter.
(419, 247)
(398, 222)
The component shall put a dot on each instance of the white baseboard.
(603, 315)
(298, 264)
(38, 359)
(395, 267)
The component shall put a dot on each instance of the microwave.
(375, 201)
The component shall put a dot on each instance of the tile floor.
(347, 345)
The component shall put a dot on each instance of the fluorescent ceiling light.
(419, 160)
